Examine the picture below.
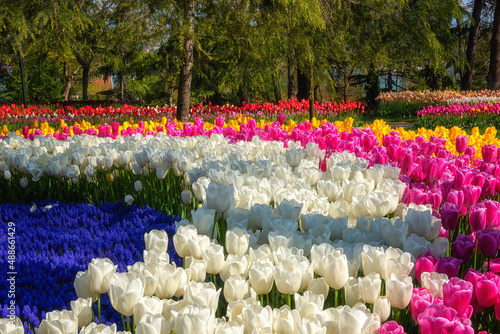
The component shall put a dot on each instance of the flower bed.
(324, 227)
(56, 240)
(13, 117)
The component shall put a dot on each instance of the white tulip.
(399, 290)
(261, 277)
(433, 283)
(82, 286)
(288, 276)
(125, 291)
(181, 239)
(203, 294)
(171, 280)
(100, 274)
(153, 324)
(156, 239)
(194, 319)
(203, 220)
(369, 287)
(11, 326)
(138, 186)
(336, 271)
(82, 309)
(382, 307)
(237, 241)
(186, 196)
(213, 257)
(145, 305)
(129, 199)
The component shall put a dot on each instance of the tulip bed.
(286, 227)
(411, 104)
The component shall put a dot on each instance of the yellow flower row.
(380, 127)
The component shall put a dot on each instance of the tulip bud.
(24, 182)
(461, 143)
(138, 186)
(186, 196)
(129, 199)
(382, 307)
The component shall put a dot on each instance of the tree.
(466, 80)
(494, 73)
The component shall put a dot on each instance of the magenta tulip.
(419, 301)
(391, 327)
(457, 294)
(470, 151)
(471, 194)
(486, 289)
(489, 152)
(424, 263)
(477, 217)
(461, 143)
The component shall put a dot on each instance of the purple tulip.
(448, 266)
(487, 241)
(463, 247)
(449, 216)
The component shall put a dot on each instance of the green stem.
(99, 307)
(128, 324)
(123, 322)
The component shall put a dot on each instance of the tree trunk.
(346, 85)
(291, 76)
(69, 80)
(85, 81)
(470, 54)
(311, 94)
(186, 73)
(303, 85)
(277, 90)
(494, 73)
(389, 81)
(122, 85)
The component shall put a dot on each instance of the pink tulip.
(391, 327)
(461, 143)
(471, 194)
(470, 151)
(419, 301)
(486, 289)
(424, 263)
(477, 217)
(494, 266)
(489, 152)
(457, 294)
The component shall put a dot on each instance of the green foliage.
(399, 109)
(481, 121)
(43, 81)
